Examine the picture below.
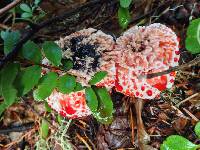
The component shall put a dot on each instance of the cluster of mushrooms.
(141, 50)
(138, 52)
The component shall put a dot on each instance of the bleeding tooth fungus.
(138, 52)
(90, 50)
(146, 50)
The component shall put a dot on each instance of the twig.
(165, 4)
(187, 99)
(20, 128)
(20, 139)
(9, 6)
(181, 67)
(191, 115)
(32, 32)
(84, 141)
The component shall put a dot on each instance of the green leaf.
(125, 3)
(44, 129)
(192, 41)
(26, 15)
(105, 101)
(91, 99)
(36, 2)
(46, 86)
(66, 83)
(123, 17)
(197, 129)
(52, 52)
(31, 51)
(67, 64)
(78, 87)
(25, 8)
(27, 79)
(9, 93)
(105, 109)
(97, 77)
(176, 142)
(59, 119)
(48, 109)
(10, 39)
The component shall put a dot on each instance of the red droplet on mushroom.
(71, 105)
(145, 50)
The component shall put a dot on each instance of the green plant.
(29, 10)
(18, 79)
(192, 42)
(124, 14)
(175, 142)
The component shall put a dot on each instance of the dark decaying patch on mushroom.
(81, 51)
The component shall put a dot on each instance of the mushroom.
(145, 50)
(90, 51)
(71, 105)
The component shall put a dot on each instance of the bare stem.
(143, 137)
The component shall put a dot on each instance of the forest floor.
(175, 112)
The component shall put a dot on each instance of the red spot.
(176, 59)
(77, 103)
(69, 110)
(135, 87)
(172, 73)
(117, 85)
(161, 85)
(127, 92)
(143, 88)
(177, 52)
(149, 92)
(172, 80)
(112, 82)
(79, 93)
(137, 93)
(124, 83)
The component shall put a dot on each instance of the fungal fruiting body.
(71, 105)
(90, 51)
(145, 50)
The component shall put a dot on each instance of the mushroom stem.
(143, 137)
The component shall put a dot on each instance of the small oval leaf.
(52, 52)
(27, 79)
(106, 104)
(31, 51)
(98, 77)
(91, 99)
(8, 75)
(10, 39)
(78, 87)
(44, 129)
(26, 15)
(25, 8)
(125, 3)
(66, 84)
(175, 142)
(192, 42)
(123, 17)
(197, 129)
(46, 86)
(67, 64)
